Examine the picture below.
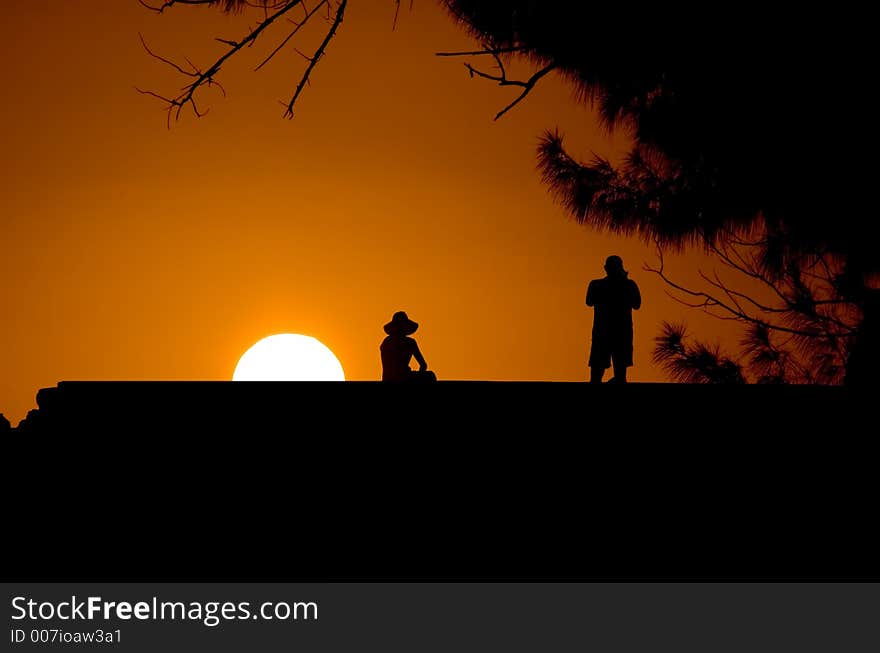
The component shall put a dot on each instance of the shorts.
(604, 350)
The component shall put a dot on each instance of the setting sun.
(288, 357)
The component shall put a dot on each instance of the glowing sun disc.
(288, 357)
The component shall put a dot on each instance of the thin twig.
(502, 79)
(170, 3)
(733, 309)
(309, 14)
(476, 53)
(317, 56)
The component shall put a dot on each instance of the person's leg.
(600, 358)
(621, 357)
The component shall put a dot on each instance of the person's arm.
(636, 297)
(418, 356)
(591, 295)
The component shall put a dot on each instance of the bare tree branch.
(262, 4)
(734, 309)
(189, 73)
(501, 78)
(272, 10)
(717, 283)
(340, 11)
(170, 3)
(746, 267)
(206, 77)
(299, 26)
(397, 11)
(475, 53)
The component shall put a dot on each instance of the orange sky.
(135, 252)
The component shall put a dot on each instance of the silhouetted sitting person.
(614, 298)
(397, 350)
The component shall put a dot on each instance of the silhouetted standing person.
(398, 348)
(613, 298)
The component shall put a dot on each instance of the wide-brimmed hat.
(400, 324)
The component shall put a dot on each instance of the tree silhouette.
(732, 116)
(696, 363)
(735, 118)
(801, 323)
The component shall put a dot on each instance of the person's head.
(401, 325)
(614, 266)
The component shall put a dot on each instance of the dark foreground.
(453, 480)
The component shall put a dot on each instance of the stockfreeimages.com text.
(210, 613)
